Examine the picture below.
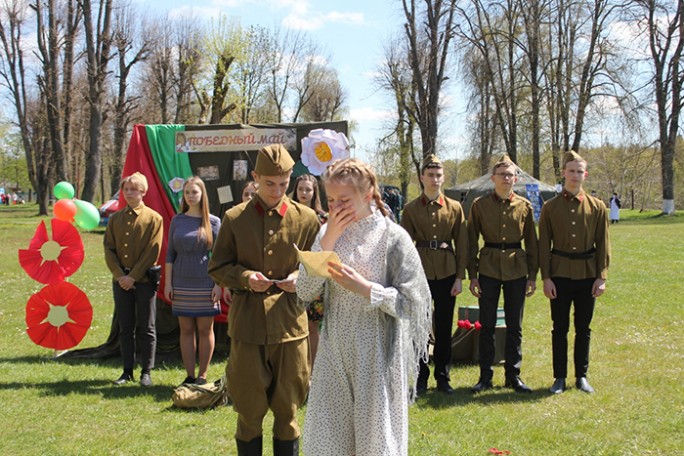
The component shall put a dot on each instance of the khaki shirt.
(253, 239)
(133, 240)
(438, 220)
(574, 224)
(507, 221)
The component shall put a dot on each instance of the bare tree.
(98, 37)
(188, 67)
(132, 47)
(663, 22)
(48, 39)
(285, 58)
(429, 31)
(72, 22)
(13, 74)
(395, 78)
(251, 71)
(327, 98)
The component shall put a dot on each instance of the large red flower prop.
(52, 260)
(58, 316)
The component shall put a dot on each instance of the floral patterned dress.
(358, 402)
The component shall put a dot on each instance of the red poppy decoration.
(58, 316)
(52, 260)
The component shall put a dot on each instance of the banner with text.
(234, 140)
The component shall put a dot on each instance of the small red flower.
(478, 325)
(52, 260)
(58, 316)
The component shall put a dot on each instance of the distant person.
(437, 225)
(376, 325)
(306, 192)
(574, 254)
(132, 244)
(249, 189)
(193, 294)
(254, 256)
(615, 206)
(504, 220)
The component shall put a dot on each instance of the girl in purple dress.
(194, 296)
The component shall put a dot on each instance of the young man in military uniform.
(574, 253)
(254, 256)
(504, 219)
(132, 244)
(437, 225)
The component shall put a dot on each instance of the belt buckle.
(433, 245)
(503, 247)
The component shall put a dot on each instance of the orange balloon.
(65, 210)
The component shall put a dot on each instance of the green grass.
(637, 363)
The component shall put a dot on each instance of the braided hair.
(360, 175)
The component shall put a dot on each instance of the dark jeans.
(514, 305)
(443, 319)
(137, 313)
(570, 291)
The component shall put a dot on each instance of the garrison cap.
(572, 156)
(431, 161)
(273, 160)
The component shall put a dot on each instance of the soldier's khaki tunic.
(438, 220)
(268, 330)
(574, 224)
(502, 221)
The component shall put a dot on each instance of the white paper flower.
(321, 147)
(176, 184)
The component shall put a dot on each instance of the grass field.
(69, 407)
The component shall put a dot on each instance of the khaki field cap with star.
(431, 161)
(504, 160)
(273, 160)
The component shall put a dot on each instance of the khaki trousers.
(268, 376)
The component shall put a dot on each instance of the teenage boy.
(437, 225)
(504, 220)
(132, 243)
(574, 254)
(255, 258)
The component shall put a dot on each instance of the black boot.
(285, 447)
(251, 448)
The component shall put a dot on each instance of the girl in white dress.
(375, 327)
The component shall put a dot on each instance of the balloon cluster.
(70, 209)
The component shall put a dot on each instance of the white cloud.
(368, 113)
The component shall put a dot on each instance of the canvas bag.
(201, 396)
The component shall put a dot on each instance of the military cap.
(504, 160)
(273, 160)
(431, 161)
(572, 156)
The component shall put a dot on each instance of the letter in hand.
(259, 282)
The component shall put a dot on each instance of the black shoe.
(481, 385)
(558, 386)
(444, 387)
(251, 448)
(200, 381)
(123, 379)
(518, 385)
(583, 385)
(189, 380)
(145, 379)
(421, 387)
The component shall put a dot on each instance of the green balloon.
(63, 190)
(87, 216)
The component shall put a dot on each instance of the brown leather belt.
(435, 245)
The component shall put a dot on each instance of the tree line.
(540, 76)
(80, 73)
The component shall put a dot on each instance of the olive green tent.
(467, 192)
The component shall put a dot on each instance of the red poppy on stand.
(58, 316)
(52, 260)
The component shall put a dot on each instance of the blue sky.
(352, 34)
